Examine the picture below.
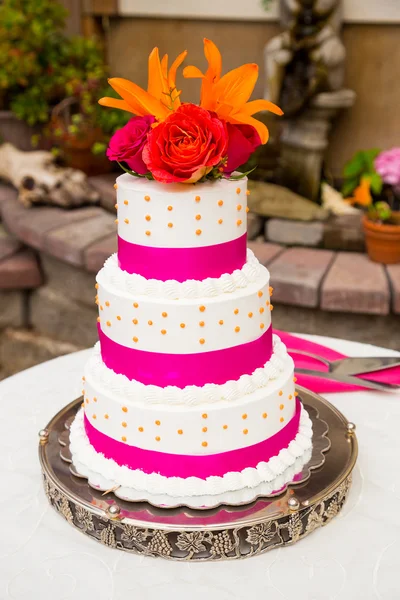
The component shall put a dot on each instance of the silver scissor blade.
(366, 383)
(355, 366)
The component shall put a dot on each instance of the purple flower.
(127, 143)
(387, 165)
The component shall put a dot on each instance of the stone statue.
(305, 72)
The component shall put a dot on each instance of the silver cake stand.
(222, 532)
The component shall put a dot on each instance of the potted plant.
(372, 180)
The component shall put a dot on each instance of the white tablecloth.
(42, 557)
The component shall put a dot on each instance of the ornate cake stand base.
(223, 532)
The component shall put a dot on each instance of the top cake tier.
(181, 231)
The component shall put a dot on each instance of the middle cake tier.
(181, 334)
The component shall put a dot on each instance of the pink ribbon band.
(181, 264)
(216, 366)
(178, 465)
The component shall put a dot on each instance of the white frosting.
(171, 289)
(204, 214)
(240, 413)
(92, 464)
(182, 325)
(100, 376)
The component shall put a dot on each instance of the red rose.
(186, 146)
(126, 145)
(243, 140)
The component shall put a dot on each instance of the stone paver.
(9, 245)
(73, 282)
(394, 279)
(297, 273)
(69, 242)
(13, 309)
(255, 225)
(356, 284)
(264, 251)
(104, 185)
(294, 233)
(63, 319)
(344, 232)
(97, 254)
(20, 271)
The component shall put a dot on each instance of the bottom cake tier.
(252, 434)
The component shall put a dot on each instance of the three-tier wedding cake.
(188, 393)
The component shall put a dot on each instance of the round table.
(41, 557)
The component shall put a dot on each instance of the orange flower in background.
(161, 97)
(362, 193)
(228, 95)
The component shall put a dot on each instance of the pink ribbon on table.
(181, 264)
(292, 342)
(182, 465)
(216, 366)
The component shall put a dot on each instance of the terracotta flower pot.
(383, 240)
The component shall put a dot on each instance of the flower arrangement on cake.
(175, 142)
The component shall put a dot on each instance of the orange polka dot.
(150, 322)
(205, 429)
(96, 285)
(204, 444)
(221, 322)
(135, 339)
(244, 416)
(98, 319)
(135, 305)
(204, 415)
(180, 431)
(262, 325)
(135, 321)
(107, 303)
(247, 209)
(116, 221)
(201, 323)
(220, 203)
(237, 329)
(267, 303)
(260, 294)
(197, 198)
(118, 318)
(183, 325)
(163, 331)
(94, 399)
(108, 324)
(87, 400)
(116, 206)
(106, 416)
(296, 393)
(281, 406)
(271, 307)
(220, 221)
(148, 232)
(238, 190)
(124, 409)
(170, 225)
(245, 431)
(198, 231)
(198, 217)
(148, 218)
(123, 438)
(202, 308)
(202, 340)
(164, 314)
(239, 207)
(280, 393)
(101, 308)
(250, 315)
(261, 310)
(94, 417)
(147, 198)
(281, 419)
(271, 289)
(224, 426)
(295, 379)
(140, 429)
(126, 221)
(158, 423)
(236, 311)
(124, 424)
(126, 202)
(290, 396)
(265, 415)
(247, 192)
(158, 438)
(169, 208)
(115, 186)
(238, 222)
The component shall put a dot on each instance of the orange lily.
(161, 97)
(362, 193)
(228, 95)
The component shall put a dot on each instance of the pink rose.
(387, 164)
(243, 140)
(126, 145)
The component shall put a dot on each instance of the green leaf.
(355, 166)
(376, 183)
(349, 186)
(383, 210)
(129, 171)
(241, 175)
(369, 158)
